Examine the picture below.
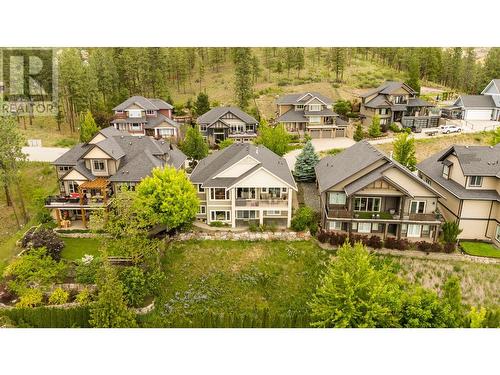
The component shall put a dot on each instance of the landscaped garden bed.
(482, 249)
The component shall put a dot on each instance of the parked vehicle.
(445, 129)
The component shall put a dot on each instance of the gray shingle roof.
(292, 116)
(433, 168)
(380, 101)
(111, 147)
(147, 104)
(323, 112)
(476, 101)
(417, 102)
(216, 113)
(477, 160)
(388, 87)
(110, 131)
(219, 161)
(72, 156)
(153, 122)
(294, 98)
(366, 180)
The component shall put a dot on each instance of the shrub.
(217, 224)
(424, 246)
(374, 129)
(134, 285)
(355, 238)
(436, 247)
(84, 298)
(337, 239)
(451, 230)
(323, 236)
(313, 228)
(302, 219)
(449, 247)
(358, 133)
(375, 242)
(59, 296)
(154, 282)
(403, 244)
(44, 238)
(393, 243)
(394, 128)
(86, 269)
(30, 298)
(384, 128)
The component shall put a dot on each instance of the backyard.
(76, 248)
(480, 249)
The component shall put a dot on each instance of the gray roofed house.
(141, 116)
(397, 102)
(221, 123)
(364, 191)
(309, 113)
(468, 178)
(484, 107)
(244, 184)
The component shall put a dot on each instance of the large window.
(272, 192)
(475, 181)
(314, 107)
(166, 132)
(245, 193)
(368, 204)
(134, 113)
(136, 126)
(335, 225)
(248, 214)
(221, 215)
(417, 207)
(337, 198)
(414, 230)
(219, 194)
(400, 99)
(446, 171)
(98, 166)
(383, 111)
(364, 227)
(314, 119)
(73, 187)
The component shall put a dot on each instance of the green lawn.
(76, 248)
(482, 249)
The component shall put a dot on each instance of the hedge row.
(47, 317)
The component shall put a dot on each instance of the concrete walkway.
(45, 154)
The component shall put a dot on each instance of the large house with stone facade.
(363, 191)
(90, 173)
(244, 184)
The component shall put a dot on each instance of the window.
(369, 204)
(219, 194)
(98, 166)
(200, 189)
(299, 107)
(375, 227)
(414, 230)
(417, 207)
(136, 126)
(497, 235)
(248, 214)
(273, 212)
(314, 107)
(73, 187)
(383, 111)
(475, 181)
(337, 198)
(220, 215)
(245, 193)
(314, 119)
(203, 128)
(446, 171)
(202, 209)
(426, 229)
(335, 225)
(274, 192)
(118, 112)
(400, 99)
(151, 112)
(64, 168)
(237, 128)
(364, 227)
(429, 182)
(166, 132)
(384, 121)
(134, 113)
(250, 128)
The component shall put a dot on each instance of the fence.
(49, 317)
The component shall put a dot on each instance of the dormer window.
(446, 171)
(314, 107)
(299, 107)
(151, 112)
(98, 166)
(475, 181)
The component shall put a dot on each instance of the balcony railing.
(423, 217)
(261, 203)
(393, 215)
(73, 201)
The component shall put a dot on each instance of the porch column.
(58, 216)
(386, 228)
(84, 219)
(289, 212)
(232, 195)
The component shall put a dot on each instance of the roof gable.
(492, 88)
(239, 168)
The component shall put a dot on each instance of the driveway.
(46, 154)
(320, 145)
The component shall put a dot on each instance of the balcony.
(346, 214)
(74, 201)
(423, 217)
(262, 202)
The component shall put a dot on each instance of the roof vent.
(122, 136)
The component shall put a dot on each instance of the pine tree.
(202, 104)
(88, 128)
(306, 161)
(243, 76)
(414, 71)
(404, 151)
(374, 130)
(359, 134)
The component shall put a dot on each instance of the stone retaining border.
(244, 236)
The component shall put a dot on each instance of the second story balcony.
(278, 202)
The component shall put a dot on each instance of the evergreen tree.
(202, 104)
(414, 71)
(306, 161)
(88, 128)
(243, 76)
(404, 150)
(194, 146)
(359, 134)
(374, 129)
(110, 309)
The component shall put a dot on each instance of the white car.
(445, 129)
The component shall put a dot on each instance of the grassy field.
(241, 277)
(76, 248)
(429, 146)
(45, 129)
(480, 249)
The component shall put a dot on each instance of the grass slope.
(76, 248)
(480, 249)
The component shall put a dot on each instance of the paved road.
(47, 154)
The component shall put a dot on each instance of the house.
(363, 191)
(397, 102)
(484, 107)
(221, 123)
(90, 173)
(152, 117)
(244, 184)
(468, 179)
(309, 113)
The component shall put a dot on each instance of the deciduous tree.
(194, 146)
(404, 150)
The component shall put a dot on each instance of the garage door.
(340, 132)
(315, 134)
(478, 114)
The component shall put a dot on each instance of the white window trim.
(411, 234)
(315, 119)
(334, 225)
(476, 177)
(379, 204)
(248, 199)
(136, 126)
(105, 170)
(418, 203)
(73, 184)
(227, 195)
(314, 107)
(255, 213)
(363, 225)
(213, 215)
(202, 209)
(447, 173)
(132, 113)
(273, 212)
(337, 194)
